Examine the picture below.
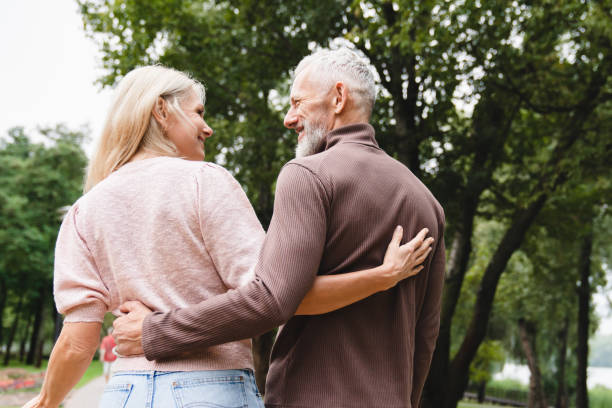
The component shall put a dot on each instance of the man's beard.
(314, 133)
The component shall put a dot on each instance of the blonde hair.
(130, 126)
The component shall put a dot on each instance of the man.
(107, 355)
(336, 205)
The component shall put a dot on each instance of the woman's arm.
(70, 357)
(331, 292)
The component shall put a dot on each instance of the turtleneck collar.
(356, 133)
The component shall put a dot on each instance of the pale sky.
(48, 70)
(48, 67)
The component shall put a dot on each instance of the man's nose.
(290, 119)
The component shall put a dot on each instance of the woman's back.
(151, 231)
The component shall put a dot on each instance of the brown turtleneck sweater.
(334, 212)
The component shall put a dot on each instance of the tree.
(487, 102)
(37, 180)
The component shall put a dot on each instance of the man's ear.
(160, 112)
(340, 97)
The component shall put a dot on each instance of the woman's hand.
(33, 403)
(404, 261)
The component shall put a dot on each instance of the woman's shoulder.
(178, 164)
(213, 170)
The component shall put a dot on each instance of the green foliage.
(37, 181)
(495, 105)
(489, 360)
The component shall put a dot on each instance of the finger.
(424, 246)
(118, 350)
(422, 257)
(398, 234)
(422, 234)
(416, 270)
(129, 306)
(417, 240)
(116, 324)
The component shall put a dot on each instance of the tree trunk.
(584, 297)
(14, 326)
(460, 366)
(492, 125)
(58, 324)
(482, 386)
(262, 348)
(39, 352)
(38, 320)
(3, 296)
(458, 375)
(24, 339)
(457, 266)
(561, 400)
(527, 332)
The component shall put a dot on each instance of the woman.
(152, 206)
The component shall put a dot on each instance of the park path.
(86, 396)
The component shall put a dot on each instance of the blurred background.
(502, 108)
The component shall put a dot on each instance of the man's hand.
(127, 329)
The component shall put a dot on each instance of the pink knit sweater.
(155, 230)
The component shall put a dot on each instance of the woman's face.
(189, 135)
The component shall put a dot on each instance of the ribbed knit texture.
(155, 231)
(334, 212)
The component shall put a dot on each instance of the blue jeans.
(168, 389)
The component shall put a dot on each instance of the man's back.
(363, 354)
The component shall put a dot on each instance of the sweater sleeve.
(231, 231)
(78, 289)
(287, 266)
(428, 320)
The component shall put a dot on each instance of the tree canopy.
(503, 109)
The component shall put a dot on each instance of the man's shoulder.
(319, 164)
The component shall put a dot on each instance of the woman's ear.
(160, 112)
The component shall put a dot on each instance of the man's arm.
(328, 293)
(287, 266)
(428, 323)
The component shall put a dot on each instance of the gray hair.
(346, 66)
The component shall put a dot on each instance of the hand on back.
(404, 261)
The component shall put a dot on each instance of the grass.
(508, 384)
(29, 368)
(600, 397)
(93, 371)
(466, 404)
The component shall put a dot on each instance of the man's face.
(311, 114)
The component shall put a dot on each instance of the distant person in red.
(106, 353)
